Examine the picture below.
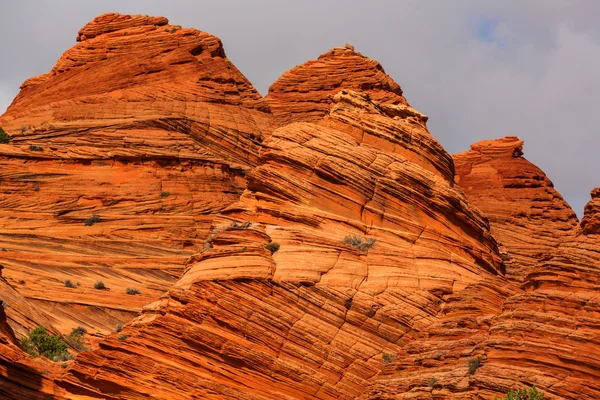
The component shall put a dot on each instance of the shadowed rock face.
(388, 277)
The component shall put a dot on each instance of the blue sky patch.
(486, 29)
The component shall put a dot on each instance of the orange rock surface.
(147, 127)
(526, 213)
(305, 92)
(313, 244)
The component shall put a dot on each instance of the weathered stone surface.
(305, 92)
(526, 213)
(318, 317)
(335, 257)
(591, 218)
(146, 126)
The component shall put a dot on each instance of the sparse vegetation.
(475, 363)
(357, 242)
(431, 382)
(118, 327)
(99, 285)
(4, 138)
(39, 342)
(33, 147)
(272, 247)
(388, 358)
(75, 338)
(200, 62)
(133, 291)
(523, 394)
(164, 194)
(21, 282)
(63, 357)
(123, 337)
(70, 284)
(94, 219)
(36, 187)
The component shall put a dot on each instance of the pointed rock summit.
(528, 216)
(591, 217)
(305, 92)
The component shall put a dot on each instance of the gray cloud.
(480, 70)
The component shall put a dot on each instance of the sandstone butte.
(146, 160)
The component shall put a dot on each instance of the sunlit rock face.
(317, 243)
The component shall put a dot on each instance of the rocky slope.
(118, 158)
(313, 244)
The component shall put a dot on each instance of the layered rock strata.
(118, 157)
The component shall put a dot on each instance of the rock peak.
(590, 224)
(304, 93)
(111, 22)
(508, 146)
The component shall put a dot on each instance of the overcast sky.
(479, 69)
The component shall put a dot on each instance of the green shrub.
(357, 242)
(40, 342)
(387, 358)
(118, 327)
(272, 247)
(431, 382)
(21, 282)
(99, 285)
(164, 194)
(4, 138)
(523, 394)
(94, 219)
(75, 338)
(475, 363)
(133, 291)
(35, 148)
(70, 284)
(123, 337)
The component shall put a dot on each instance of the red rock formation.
(319, 317)
(146, 126)
(305, 92)
(21, 377)
(591, 218)
(526, 213)
(335, 259)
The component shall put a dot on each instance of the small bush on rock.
(357, 242)
(272, 247)
(99, 285)
(40, 342)
(474, 363)
(94, 219)
(4, 139)
(523, 394)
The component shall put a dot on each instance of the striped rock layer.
(317, 243)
